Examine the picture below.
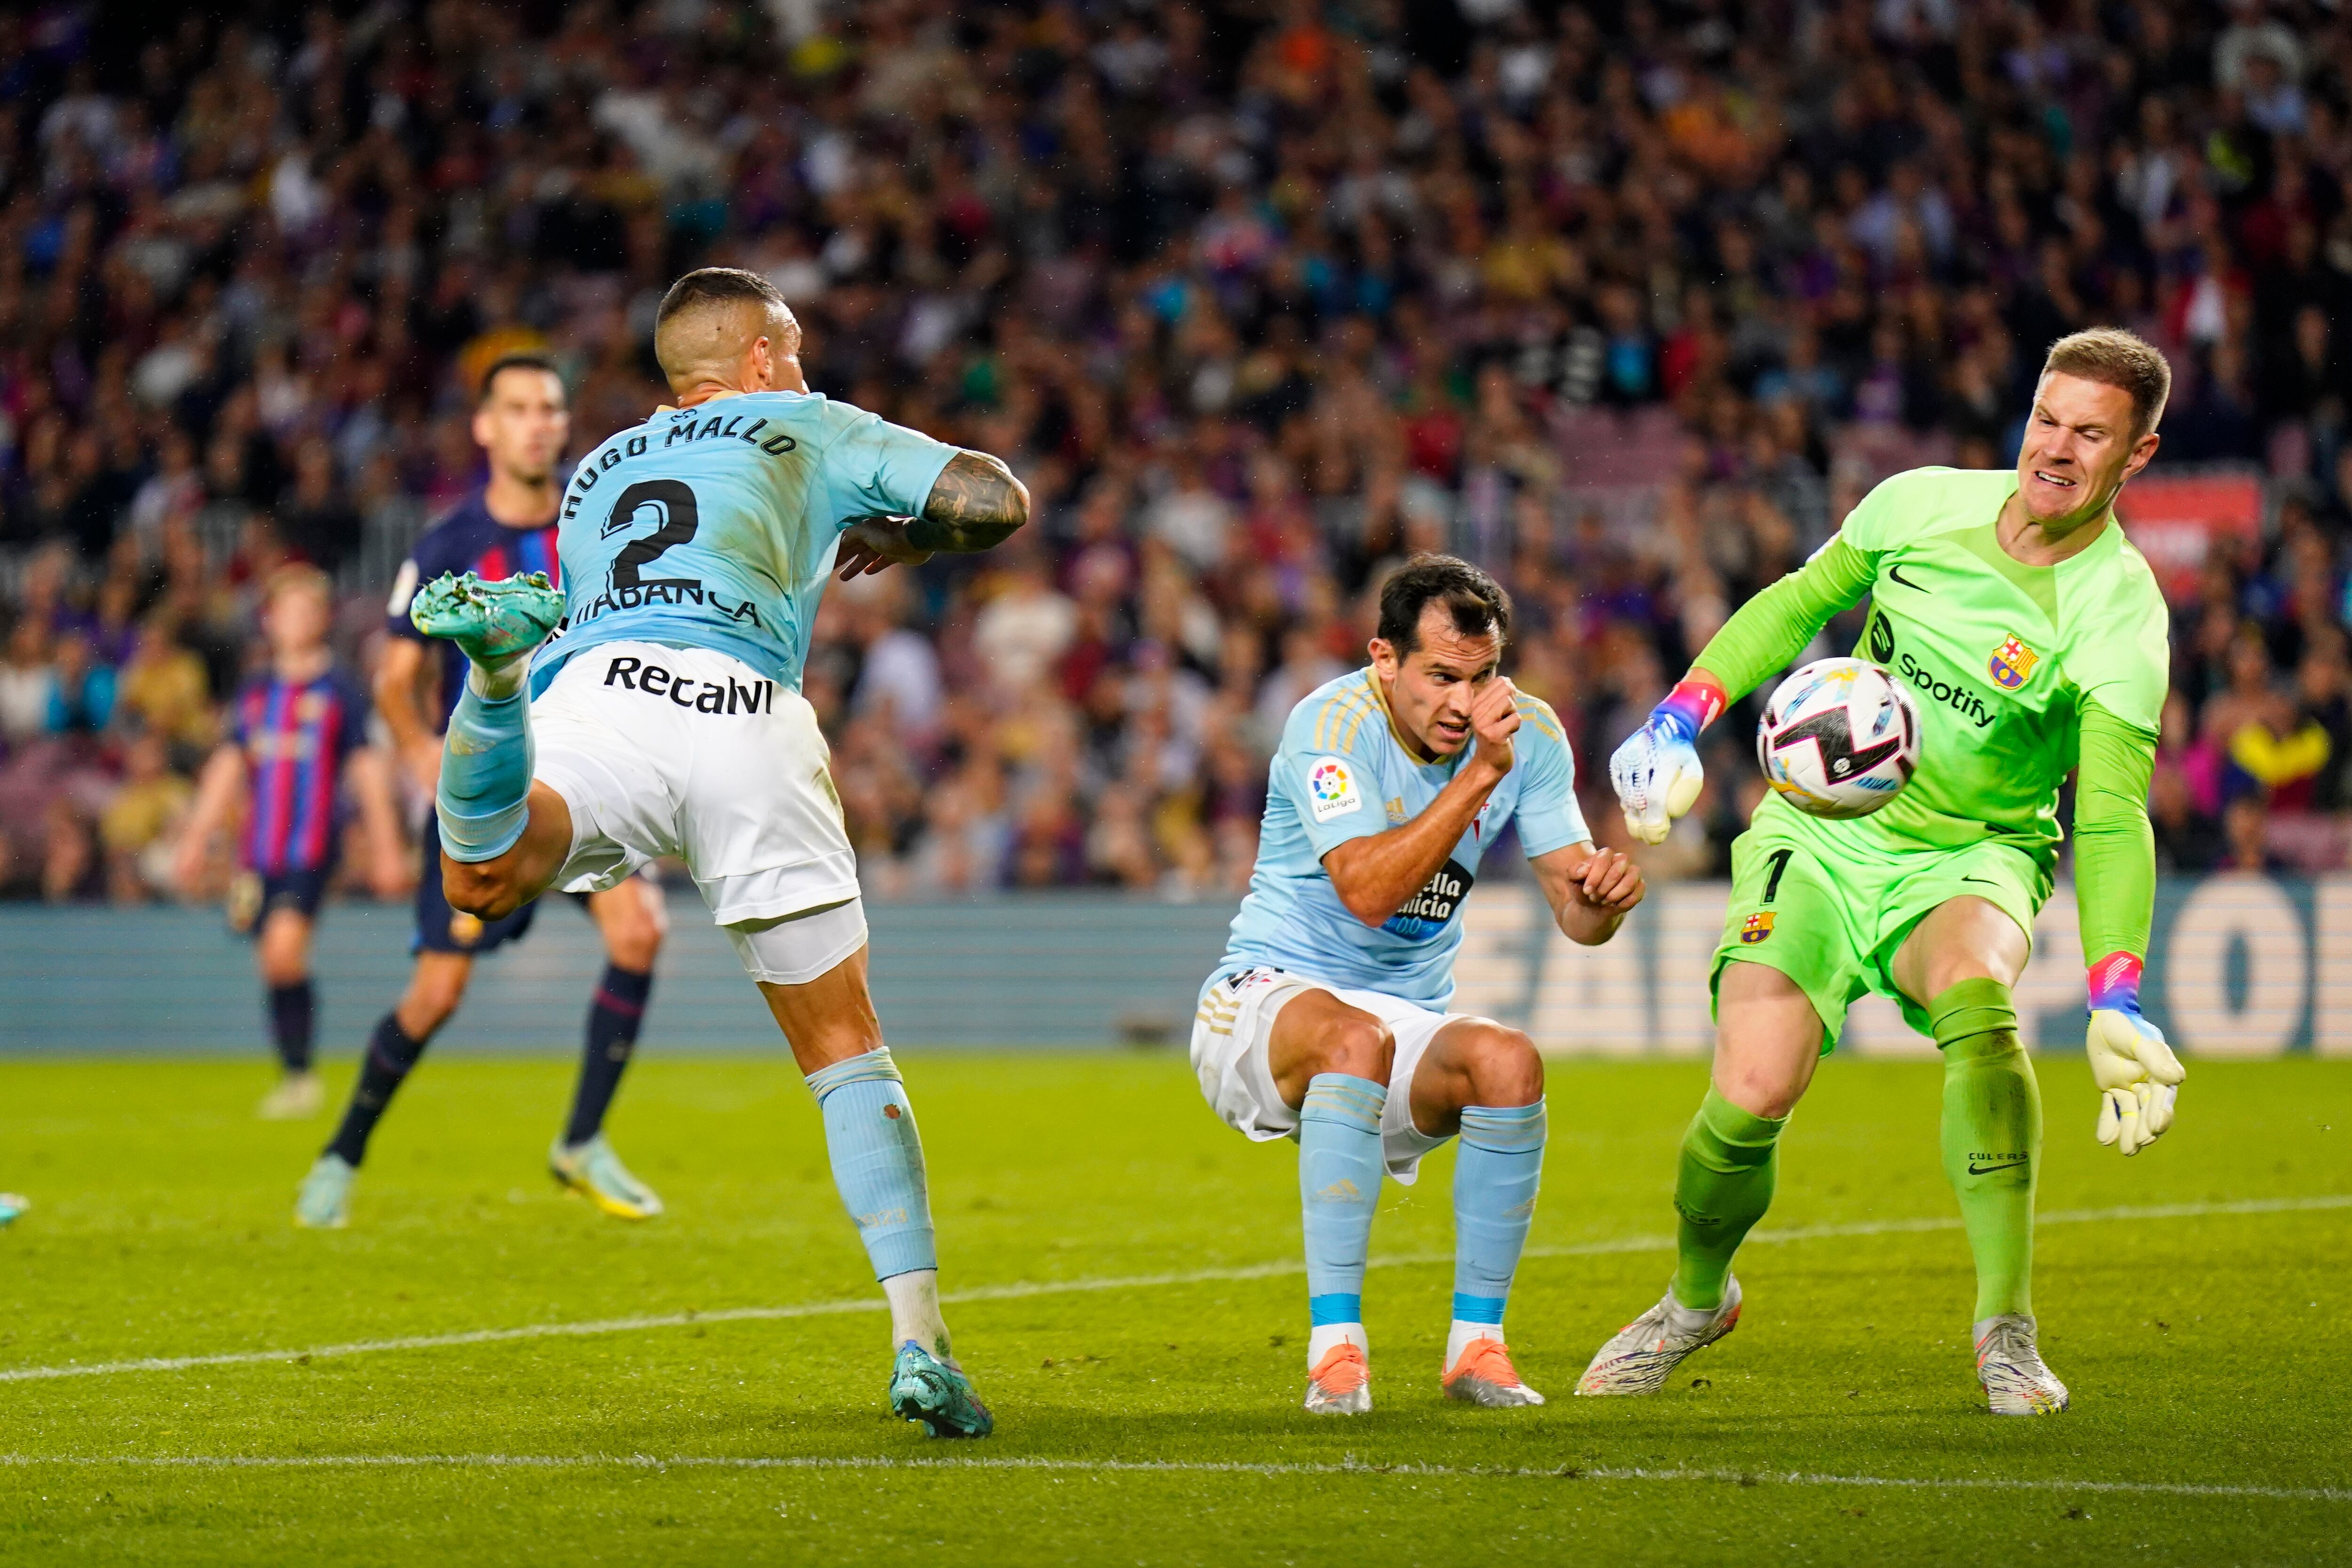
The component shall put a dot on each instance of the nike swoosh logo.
(1896, 573)
(1986, 880)
(1976, 1169)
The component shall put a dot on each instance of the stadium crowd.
(1627, 302)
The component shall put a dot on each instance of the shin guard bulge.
(1991, 1137)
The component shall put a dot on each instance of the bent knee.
(633, 941)
(1505, 1069)
(483, 891)
(1358, 1045)
(1759, 1089)
(287, 969)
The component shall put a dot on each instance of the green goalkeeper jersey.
(2020, 674)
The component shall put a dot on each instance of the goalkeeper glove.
(1657, 773)
(2138, 1075)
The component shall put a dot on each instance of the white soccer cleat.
(297, 1097)
(1645, 1352)
(323, 1201)
(1341, 1382)
(2008, 1365)
(1484, 1376)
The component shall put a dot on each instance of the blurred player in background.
(1326, 1023)
(506, 527)
(667, 720)
(2033, 637)
(299, 733)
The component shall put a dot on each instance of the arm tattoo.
(975, 504)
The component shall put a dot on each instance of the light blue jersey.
(715, 527)
(1340, 774)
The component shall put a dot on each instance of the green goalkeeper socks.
(1992, 1138)
(1725, 1184)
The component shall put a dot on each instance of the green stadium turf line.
(1174, 1467)
(1025, 1289)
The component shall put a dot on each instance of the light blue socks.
(1494, 1180)
(878, 1160)
(484, 798)
(1339, 1172)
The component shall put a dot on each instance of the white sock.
(914, 1298)
(1458, 1338)
(496, 683)
(1689, 1319)
(1321, 1338)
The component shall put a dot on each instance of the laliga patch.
(1758, 926)
(1331, 789)
(2011, 664)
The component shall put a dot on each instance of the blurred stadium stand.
(1628, 302)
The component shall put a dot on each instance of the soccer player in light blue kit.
(664, 717)
(1325, 1021)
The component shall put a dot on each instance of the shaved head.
(720, 326)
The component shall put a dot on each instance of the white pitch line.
(1166, 1467)
(1025, 1289)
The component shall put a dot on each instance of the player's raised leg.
(631, 919)
(1331, 1063)
(503, 838)
(1485, 1081)
(1768, 1040)
(1960, 962)
(283, 954)
(877, 1153)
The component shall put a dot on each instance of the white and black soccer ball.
(1840, 738)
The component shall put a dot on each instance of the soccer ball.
(1839, 739)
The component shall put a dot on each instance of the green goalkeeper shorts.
(1829, 905)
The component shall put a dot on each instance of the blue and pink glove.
(1657, 773)
(2138, 1075)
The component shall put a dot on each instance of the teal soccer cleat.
(593, 1171)
(12, 1205)
(937, 1394)
(491, 622)
(323, 1202)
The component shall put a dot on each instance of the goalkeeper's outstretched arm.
(1657, 773)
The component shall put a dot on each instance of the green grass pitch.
(1153, 1420)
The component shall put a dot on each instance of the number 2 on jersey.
(668, 505)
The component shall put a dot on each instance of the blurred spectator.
(25, 681)
(163, 687)
(81, 690)
(139, 824)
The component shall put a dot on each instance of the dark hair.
(1475, 600)
(718, 285)
(505, 362)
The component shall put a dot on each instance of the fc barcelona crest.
(2012, 663)
(1758, 926)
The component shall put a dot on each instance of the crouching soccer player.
(667, 720)
(1326, 1020)
(2033, 634)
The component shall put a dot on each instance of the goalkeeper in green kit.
(2030, 636)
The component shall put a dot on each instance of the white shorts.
(688, 752)
(1229, 1034)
